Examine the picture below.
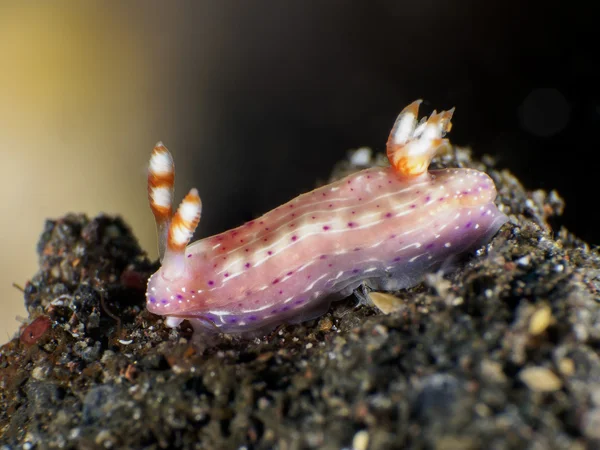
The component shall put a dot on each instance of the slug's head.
(169, 297)
(411, 146)
(174, 230)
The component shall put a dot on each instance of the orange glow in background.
(76, 129)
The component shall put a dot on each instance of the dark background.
(294, 85)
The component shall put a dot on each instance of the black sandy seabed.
(500, 354)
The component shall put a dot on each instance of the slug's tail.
(174, 231)
(412, 146)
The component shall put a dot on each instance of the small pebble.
(361, 157)
(566, 366)
(325, 324)
(540, 320)
(492, 370)
(360, 441)
(104, 438)
(540, 379)
(39, 373)
(386, 303)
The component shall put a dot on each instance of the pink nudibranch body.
(387, 226)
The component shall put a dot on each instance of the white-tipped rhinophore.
(174, 231)
(411, 147)
(181, 229)
(161, 181)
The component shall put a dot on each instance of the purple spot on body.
(357, 249)
(313, 217)
(326, 227)
(413, 206)
(390, 182)
(331, 205)
(468, 225)
(429, 246)
(351, 224)
(285, 308)
(298, 302)
(192, 291)
(388, 215)
(247, 265)
(368, 177)
(323, 257)
(330, 265)
(393, 236)
(269, 252)
(211, 283)
(280, 292)
(441, 199)
(248, 294)
(226, 274)
(355, 271)
(152, 299)
(233, 320)
(428, 198)
(252, 318)
(274, 311)
(276, 280)
(164, 301)
(190, 255)
(289, 273)
(397, 258)
(294, 238)
(179, 297)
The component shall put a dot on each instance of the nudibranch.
(386, 226)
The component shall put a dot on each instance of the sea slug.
(387, 226)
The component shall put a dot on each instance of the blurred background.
(257, 101)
